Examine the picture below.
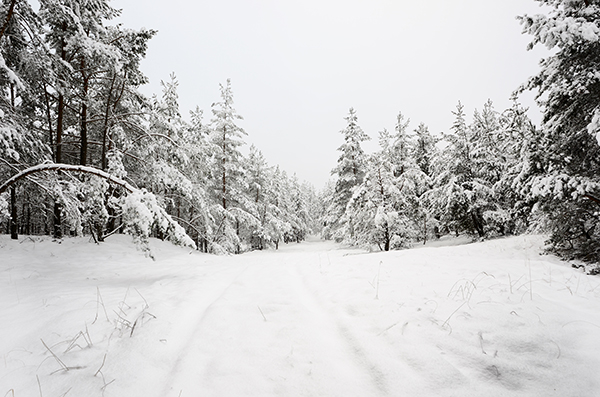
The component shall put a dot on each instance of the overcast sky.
(297, 66)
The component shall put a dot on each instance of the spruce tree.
(568, 85)
(350, 172)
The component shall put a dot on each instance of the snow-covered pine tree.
(409, 179)
(424, 155)
(488, 139)
(299, 215)
(379, 208)
(118, 101)
(21, 139)
(227, 174)
(277, 219)
(425, 149)
(176, 162)
(83, 51)
(569, 91)
(385, 206)
(90, 88)
(400, 146)
(521, 139)
(349, 172)
(454, 198)
(195, 167)
(258, 183)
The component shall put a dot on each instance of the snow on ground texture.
(311, 319)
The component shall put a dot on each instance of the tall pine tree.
(349, 171)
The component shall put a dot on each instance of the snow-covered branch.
(65, 167)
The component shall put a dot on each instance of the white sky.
(297, 66)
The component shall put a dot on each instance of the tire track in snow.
(358, 353)
(184, 336)
(296, 349)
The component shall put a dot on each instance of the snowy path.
(313, 319)
(280, 325)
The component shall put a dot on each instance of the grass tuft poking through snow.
(492, 318)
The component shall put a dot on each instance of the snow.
(312, 319)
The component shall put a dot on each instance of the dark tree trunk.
(59, 132)
(57, 220)
(224, 187)
(105, 129)
(28, 228)
(111, 219)
(100, 232)
(478, 223)
(425, 230)
(49, 118)
(61, 104)
(13, 214)
(59, 128)
(84, 136)
(84, 131)
(224, 164)
(387, 239)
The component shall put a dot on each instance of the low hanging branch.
(65, 167)
(178, 237)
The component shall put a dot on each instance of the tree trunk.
(59, 128)
(84, 131)
(61, 103)
(224, 187)
(478, 223)
(57, 220)
(28, 228)
(59, 132)
(9, 15)
(13, 214)
(105, 129)
(49, 117)
(387, 239)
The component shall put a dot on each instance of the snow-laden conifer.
(569, 90)
(349, 172)
(227, 183)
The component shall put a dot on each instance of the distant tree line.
(69, 96)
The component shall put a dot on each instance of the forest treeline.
(83, 152)
(123, 162)
(418, 186)
(497, 174)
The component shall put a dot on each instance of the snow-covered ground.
(312, 319)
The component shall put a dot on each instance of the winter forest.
(84, 153)
(149, 251)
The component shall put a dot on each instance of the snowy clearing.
(312, 319)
